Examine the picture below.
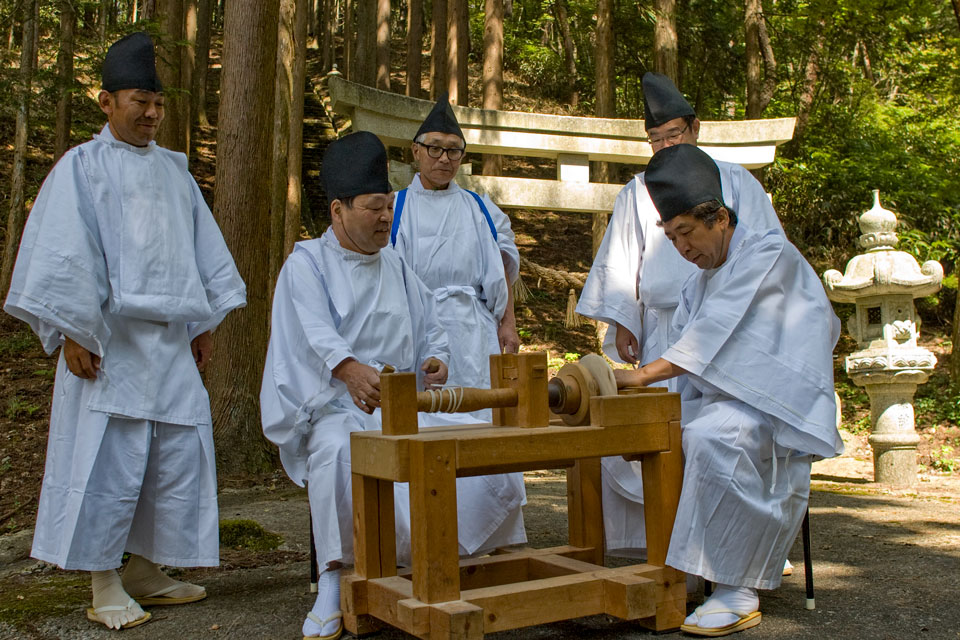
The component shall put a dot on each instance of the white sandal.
(333, 616)
(93, 615)
(746, 620)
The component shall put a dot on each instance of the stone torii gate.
(573, 142)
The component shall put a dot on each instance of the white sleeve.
(610, 292)
(506, 239)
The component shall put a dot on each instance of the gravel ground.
(887, 566)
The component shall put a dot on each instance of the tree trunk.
(348, 43)
(328, 23)
(366, 58)
(760, 85)
(383, 45)
(291, 223)
(955, 334)
(102, 20)
(68, 23)
(458, 47)
(665, 39)
(188, 62)
(811, 76)
(172, 133)
(493, 72)
(287, 132)
(283, 101)
(438, 49)
(414, 46)
(202, 62)
(606, 106)
(244, 146)
(569, 53)
(17, 214)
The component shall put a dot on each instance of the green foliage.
(247, 534)
(19, 408)
(944, 461)
(571, 357)
(16, 344)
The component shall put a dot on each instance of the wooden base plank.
(538, 601)
(456, 620)
(629, 597)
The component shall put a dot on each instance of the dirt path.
(887, 566)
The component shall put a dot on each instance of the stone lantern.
(883, 283)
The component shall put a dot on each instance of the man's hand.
(363, 383)
(81, 362)
(628, 378)
(507, 331)
(507, 335)
(627, 346)
(436, 373)
(202, 348)
(656, 371)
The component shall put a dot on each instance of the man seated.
(752, 342)
(342, 310)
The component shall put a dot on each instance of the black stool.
(807, 564)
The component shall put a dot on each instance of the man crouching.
(752, 342)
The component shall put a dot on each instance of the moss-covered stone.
(247, 534)
(23, 602)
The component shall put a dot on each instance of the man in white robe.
(123, 266)
(461, 245)
(344, 307)
(632, 285)
(752, 343)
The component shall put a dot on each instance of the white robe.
(635, 281)
(121, 254)
(446, 240)
(331, 304)
(756, 336)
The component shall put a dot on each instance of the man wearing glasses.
(634, 283)
(461, 245)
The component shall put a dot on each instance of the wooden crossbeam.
(482, 448)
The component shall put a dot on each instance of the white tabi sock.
(143, 578)
(327, 605)
(108, 592)
(741, 599)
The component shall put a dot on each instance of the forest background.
(874, 85)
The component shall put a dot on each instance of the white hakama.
(635, 281)
(121, 254)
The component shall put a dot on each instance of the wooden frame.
(444, 597)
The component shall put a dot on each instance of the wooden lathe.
(441, 596)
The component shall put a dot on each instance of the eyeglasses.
(435, 152)
(670, 137)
